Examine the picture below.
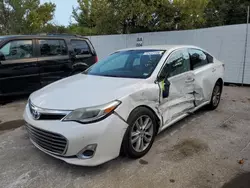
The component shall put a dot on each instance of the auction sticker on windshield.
(153, 53)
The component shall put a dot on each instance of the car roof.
(41, 36)
(161, 47)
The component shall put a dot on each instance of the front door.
(180, 98)
(18, 68)
(53, 61)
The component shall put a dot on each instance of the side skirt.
(182, 116)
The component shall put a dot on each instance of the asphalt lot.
(209, 149)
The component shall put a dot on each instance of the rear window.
(80, 47)
(52, 47)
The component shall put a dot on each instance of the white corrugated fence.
(226, 43)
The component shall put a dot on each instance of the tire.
(138, 145)
(216, 96)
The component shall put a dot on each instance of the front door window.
(18, 49)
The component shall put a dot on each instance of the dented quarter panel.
(205, 79)
(147, 95)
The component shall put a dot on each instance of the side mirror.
(2, 57)
(164, 85)
(166, 88)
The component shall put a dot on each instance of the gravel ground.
(209, 149)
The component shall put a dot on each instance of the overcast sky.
(63, 10)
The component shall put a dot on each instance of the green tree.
(226, 12)
(127, 16)
(38, 17)
(24, 16)
(114, 16)
(190, 14)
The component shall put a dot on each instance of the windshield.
(127, 64)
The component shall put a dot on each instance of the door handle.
(214, 69)
(189, 80)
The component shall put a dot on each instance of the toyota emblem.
(36, 115)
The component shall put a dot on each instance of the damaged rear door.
(176, 82)
(205, 75)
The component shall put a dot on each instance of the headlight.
(92, 114)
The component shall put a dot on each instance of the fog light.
(87, 152)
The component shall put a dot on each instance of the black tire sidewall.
(126, 145)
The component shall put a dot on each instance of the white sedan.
(121, 103)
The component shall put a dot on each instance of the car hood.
(83, 91)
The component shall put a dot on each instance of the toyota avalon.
(122, 102)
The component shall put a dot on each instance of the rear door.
(205, 75)
(53, 60)
(19, 72)
(85, 56)
(181, 78)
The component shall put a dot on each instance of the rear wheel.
(140, 134)
(216, 96)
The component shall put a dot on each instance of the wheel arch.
(221, 82)
(157, 117)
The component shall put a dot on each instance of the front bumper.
(107, 134)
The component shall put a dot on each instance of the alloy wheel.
(142, 133)
(216, 95)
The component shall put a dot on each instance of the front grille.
(51, 142)
(46, 114)
(51, 116)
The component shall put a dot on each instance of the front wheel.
(140, 134)
(216, 96)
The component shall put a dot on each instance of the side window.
(177, 63)
(52, 47)
(198, 58)
(18, 49)
(80, 47)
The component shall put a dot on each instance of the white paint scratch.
(172, 133)
(183, 126)
(245, 147)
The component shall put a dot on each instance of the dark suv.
(29, 62)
